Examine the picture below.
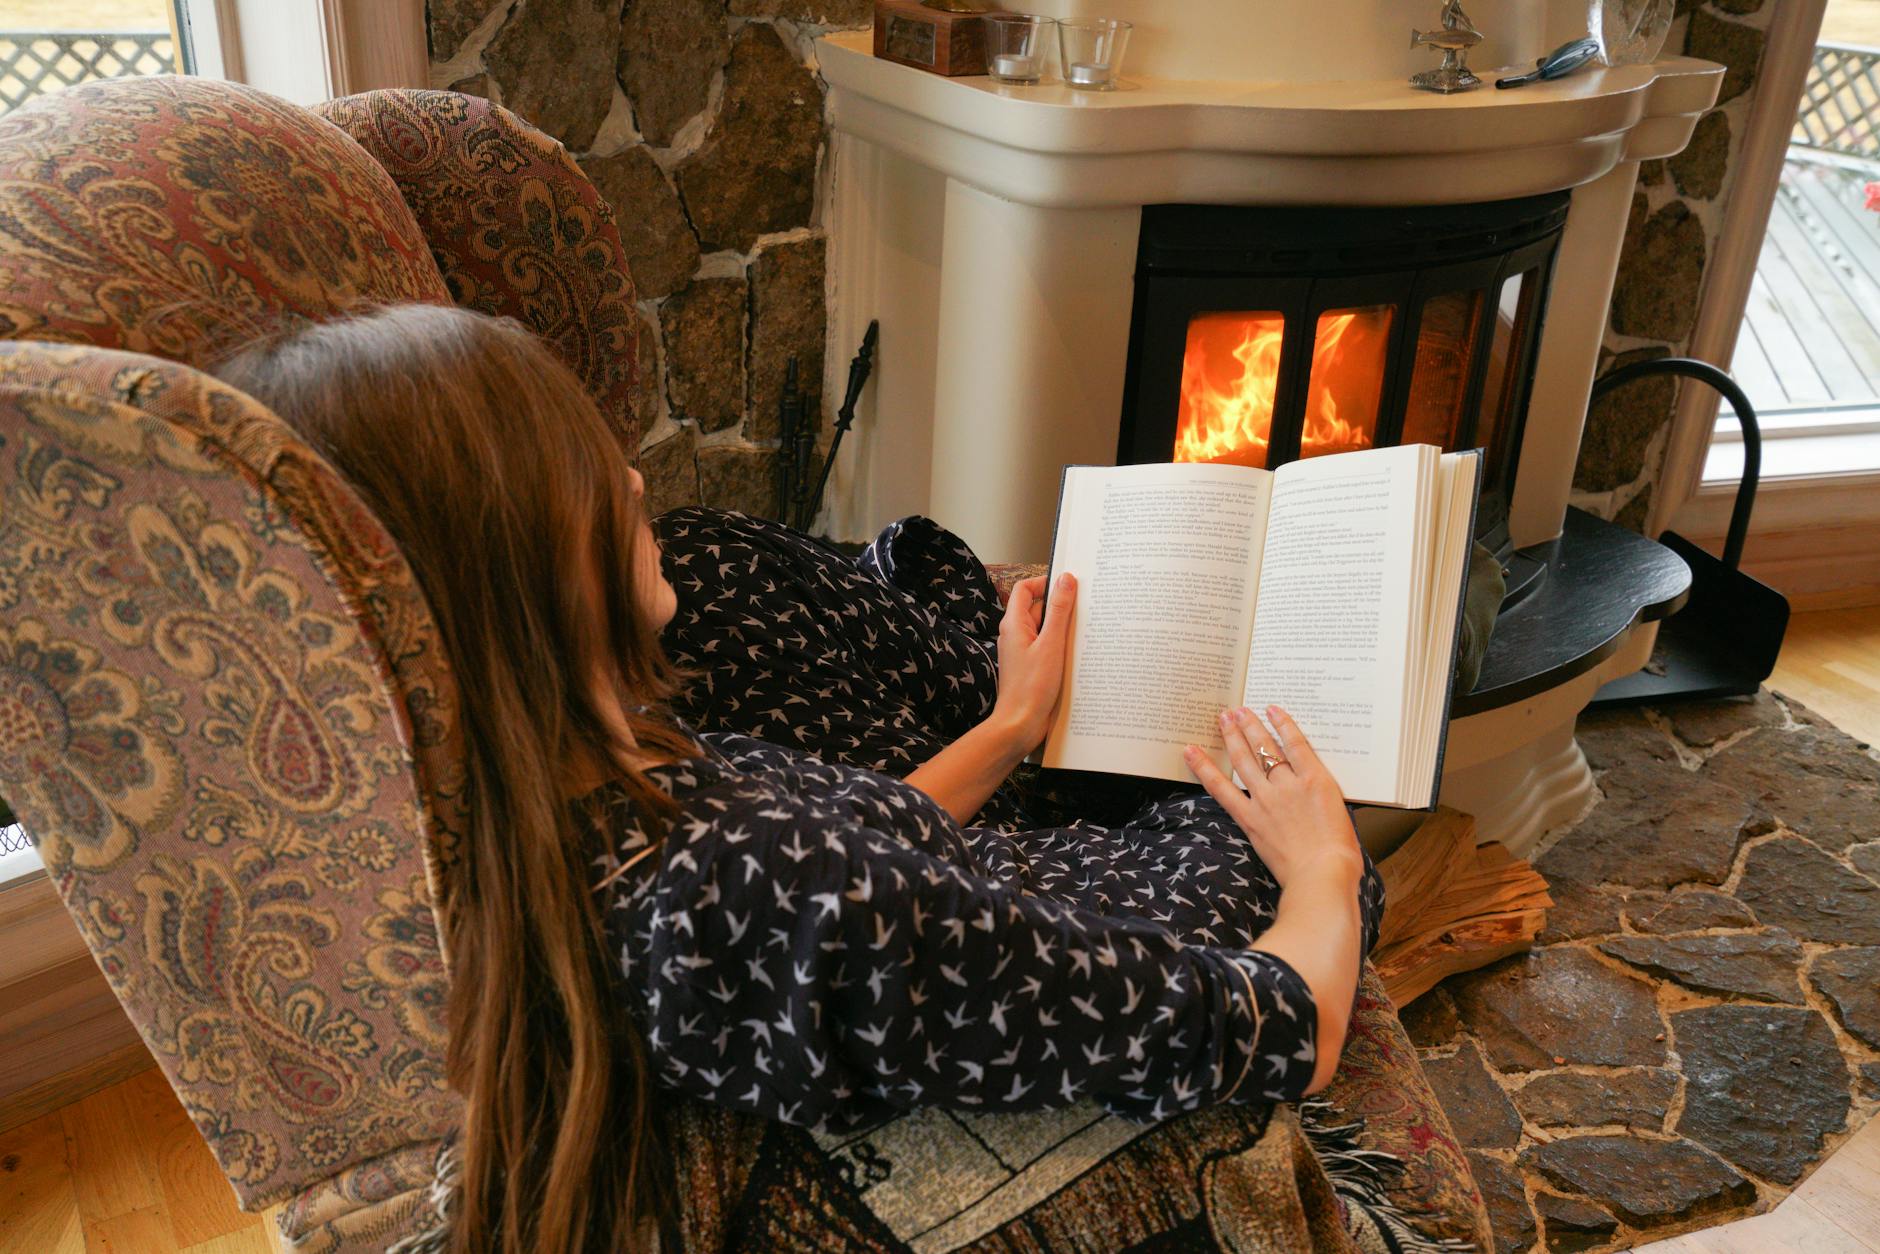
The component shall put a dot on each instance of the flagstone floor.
(1699, 1025)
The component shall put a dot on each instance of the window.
(49, 45)
(1808, 350)
(304, 50)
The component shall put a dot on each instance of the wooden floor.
(1831, 663)
(1810, 343)
(123, 1170)
(1835, 1211)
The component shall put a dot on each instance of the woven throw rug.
(1699, 1025)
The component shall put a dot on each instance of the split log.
(1452, 905)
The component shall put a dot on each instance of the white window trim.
(308, 51)
(1788, 53)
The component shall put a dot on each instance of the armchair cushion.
(178, 216)
(369, 572)
(366, 1207)
(514, 225)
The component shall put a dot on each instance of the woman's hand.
(1033, 639)
(1293, 812)
(1032, 643)
(1295, 816)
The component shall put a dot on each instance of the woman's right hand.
(1293, 813)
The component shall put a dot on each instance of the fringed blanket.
(1369, 1167)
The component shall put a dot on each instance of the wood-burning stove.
(997, 232)
(1264, 334)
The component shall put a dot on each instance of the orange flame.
(1226, 410)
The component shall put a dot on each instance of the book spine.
(1036, 756)
(1050, 573)
(1455, 641)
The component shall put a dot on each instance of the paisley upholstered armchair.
(224, 716)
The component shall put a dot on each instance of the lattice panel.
(34, 62)
(1841, 102)
(13, 839)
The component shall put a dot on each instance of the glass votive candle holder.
(1092, 50)
(1015, 46)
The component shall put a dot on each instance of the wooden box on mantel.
(909, 33)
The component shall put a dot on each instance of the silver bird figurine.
(1456, 36)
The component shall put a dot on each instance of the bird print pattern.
(821, 943)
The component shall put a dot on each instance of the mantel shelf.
(1359, 142)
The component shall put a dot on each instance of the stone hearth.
(1699, 1025)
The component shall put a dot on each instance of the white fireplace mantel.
(1349, 143)
(993, 230)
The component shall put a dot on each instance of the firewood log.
(1452, 905)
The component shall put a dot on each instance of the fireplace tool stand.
(1724, 642)
(799, 497)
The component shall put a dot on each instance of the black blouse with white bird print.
(821, 943)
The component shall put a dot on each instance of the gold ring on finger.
(1267, 760)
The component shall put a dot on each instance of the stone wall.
(701, 122)
(1677, 214)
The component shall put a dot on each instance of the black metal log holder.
(799, 499)
(1724, 642)
(1704, 372)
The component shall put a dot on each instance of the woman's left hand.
(1033, 640)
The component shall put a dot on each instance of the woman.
(763, 923)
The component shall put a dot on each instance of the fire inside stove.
(1230, 384)
(1264, 333)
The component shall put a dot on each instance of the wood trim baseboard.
(80, 1082)
(63, 1033)
(35, 930)
(1788, 51)
(1816, 568)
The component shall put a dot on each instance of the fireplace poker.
(790, 419)
(802, 453)
(859, 369)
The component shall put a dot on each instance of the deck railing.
(33, 62)
(1840, 109)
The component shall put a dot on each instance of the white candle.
(1012, 65)
(1087, 74)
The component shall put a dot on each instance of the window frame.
(1788, 53)
(360, 44)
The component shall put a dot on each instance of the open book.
(1331, 587)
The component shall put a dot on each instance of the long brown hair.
(500, 481)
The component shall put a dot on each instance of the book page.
(1166, 560)
(1330, 638)
(1458, 478)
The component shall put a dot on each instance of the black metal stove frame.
(1302, 262)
